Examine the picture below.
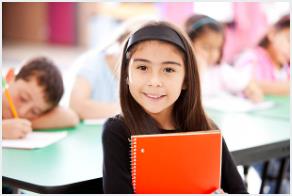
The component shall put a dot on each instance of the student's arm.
(85, 107)
(116, 158)
(59, 117)
(279, 88)
(15, 128)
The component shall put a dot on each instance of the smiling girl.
(159, 93)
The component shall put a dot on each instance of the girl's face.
(280, 41)
(156, 76)
(208, 46)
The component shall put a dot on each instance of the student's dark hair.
(188, 112)
(47, 76)
(281, 24)
(197, 25)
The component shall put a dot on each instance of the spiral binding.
(133, 162)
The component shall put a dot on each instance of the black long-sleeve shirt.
(117, 167)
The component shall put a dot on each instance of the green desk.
(254, 138)
(259, 135)
(281, 109)
(76, 161)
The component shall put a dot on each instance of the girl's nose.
(154, 80)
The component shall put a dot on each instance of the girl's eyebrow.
(140, 59)
(171, 62)
(165, 62)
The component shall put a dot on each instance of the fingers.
(25, 122)
(24, 127)
(219, 191)
(254, 95)
(15, 128)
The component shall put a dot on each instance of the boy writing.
(35, 93)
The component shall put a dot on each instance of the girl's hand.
(253, 92)
(219, 191)
(15, 128)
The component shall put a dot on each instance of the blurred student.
(32, 100)
(207, 36)
(159, 93)
(269, 62)
(95, 92)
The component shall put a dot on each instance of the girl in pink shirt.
(269, 62)
(207, 36)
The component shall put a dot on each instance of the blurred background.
(64, 30)
(32, 28)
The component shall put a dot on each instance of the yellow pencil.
(11, 104)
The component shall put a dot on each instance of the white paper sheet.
(229, 103)
(35, 140)
(99, 121)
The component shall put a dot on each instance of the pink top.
(223, 78)
(250, 25)
(261, 66)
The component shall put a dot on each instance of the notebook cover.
(188, 162)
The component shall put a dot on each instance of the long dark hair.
(188, 112)
(281, 24)
(196, 25)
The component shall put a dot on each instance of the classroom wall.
(62, 23)
(24, 21)
(40, 22)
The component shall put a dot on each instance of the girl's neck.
(165, 119)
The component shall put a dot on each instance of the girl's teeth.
(152, 96)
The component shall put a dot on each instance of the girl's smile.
(154, 97)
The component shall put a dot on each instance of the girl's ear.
(127, 80)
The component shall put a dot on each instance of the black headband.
(162, 33)
(204, 21)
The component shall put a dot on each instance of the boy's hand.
(15, 128)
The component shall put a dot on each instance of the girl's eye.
(142, 67)
(169, 70)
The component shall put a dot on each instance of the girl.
(159, 93)
(270, 60)
(207, 36)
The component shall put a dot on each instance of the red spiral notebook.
(188, 162)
